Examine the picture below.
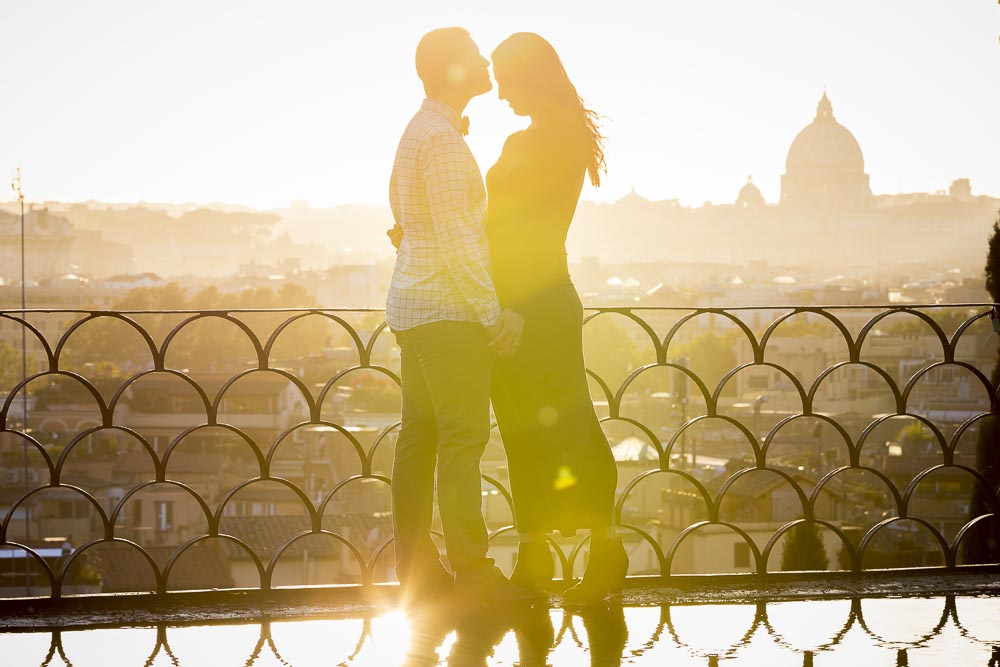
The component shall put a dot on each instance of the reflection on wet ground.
(870, 631)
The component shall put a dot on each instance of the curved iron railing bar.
(30, 440)
(272, 339)
(985, 381)
(78, 553)
(909, 310)
(238, 432)
(956, 544)
(128, 382)
(36, 332)
(321, 508)
(941, 441)
(78, 438)
(40, 489)
(977, 477)
(785, 421)
(217, 402)
(332, 382)
(501, 489)
(363, 565)
(893, 491)
(709, 399)
(49, 573)
(845, 541)
(366, 360)
(268, 459)
(55, 645)
(750, 437)
(653, 544)
(874, 530)
(648, 432)
(183, 548)
(574, 552)
(759, 568)
(658, 350)
(608, 394)
(740, 324)
(225, 316)
(803, 397)
(966, 425)
(891, 384)
(962, 328)
(567, 574)
(848, 338)
(97, 315)
(113, 519)
(646, 474)
(228, 496)
(868, 430)
(383, 436)
(23, 384)
(724, 489)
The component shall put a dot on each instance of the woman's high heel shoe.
(534, 568)
(604, 576)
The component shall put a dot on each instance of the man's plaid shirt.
(436, 191)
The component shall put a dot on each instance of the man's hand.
(395, 235)
(507, 333)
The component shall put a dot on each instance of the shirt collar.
(438, 107)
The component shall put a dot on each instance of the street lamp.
(15, 185)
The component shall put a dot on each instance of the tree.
(803, 549)
(983, 545)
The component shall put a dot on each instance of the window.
(164, 515)
(741, 554)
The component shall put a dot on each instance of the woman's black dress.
(562, 472)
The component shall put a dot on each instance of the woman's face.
(511, 90)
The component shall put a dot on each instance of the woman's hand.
(509, 333)
(395, 235)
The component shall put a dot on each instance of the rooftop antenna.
(15, 185)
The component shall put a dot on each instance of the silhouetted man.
(443, 308)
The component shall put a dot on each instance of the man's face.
(470, 71)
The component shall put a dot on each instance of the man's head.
(449, 62)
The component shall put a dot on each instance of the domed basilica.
(825, 168)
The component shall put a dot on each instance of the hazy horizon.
(252, 104)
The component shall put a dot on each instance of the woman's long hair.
(536, 66)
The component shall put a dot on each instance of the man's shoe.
(431, 588)
(604, 576)
(496, 591)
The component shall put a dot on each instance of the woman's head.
(531, 78)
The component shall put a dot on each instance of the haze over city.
(262, 104)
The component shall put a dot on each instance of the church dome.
(824, 145)
(749, 195)
(825, 168)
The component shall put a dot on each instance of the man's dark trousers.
(445, 368)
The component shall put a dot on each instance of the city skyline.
(263, 107)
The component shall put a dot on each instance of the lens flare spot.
(564, 479)
(548, 416)
(456, 74)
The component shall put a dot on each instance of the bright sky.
(263, 103)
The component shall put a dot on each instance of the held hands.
(507, 333)
(395, 235)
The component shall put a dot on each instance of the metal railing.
(868, 443)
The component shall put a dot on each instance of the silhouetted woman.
(562, 473)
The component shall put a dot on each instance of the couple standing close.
(482, 307)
